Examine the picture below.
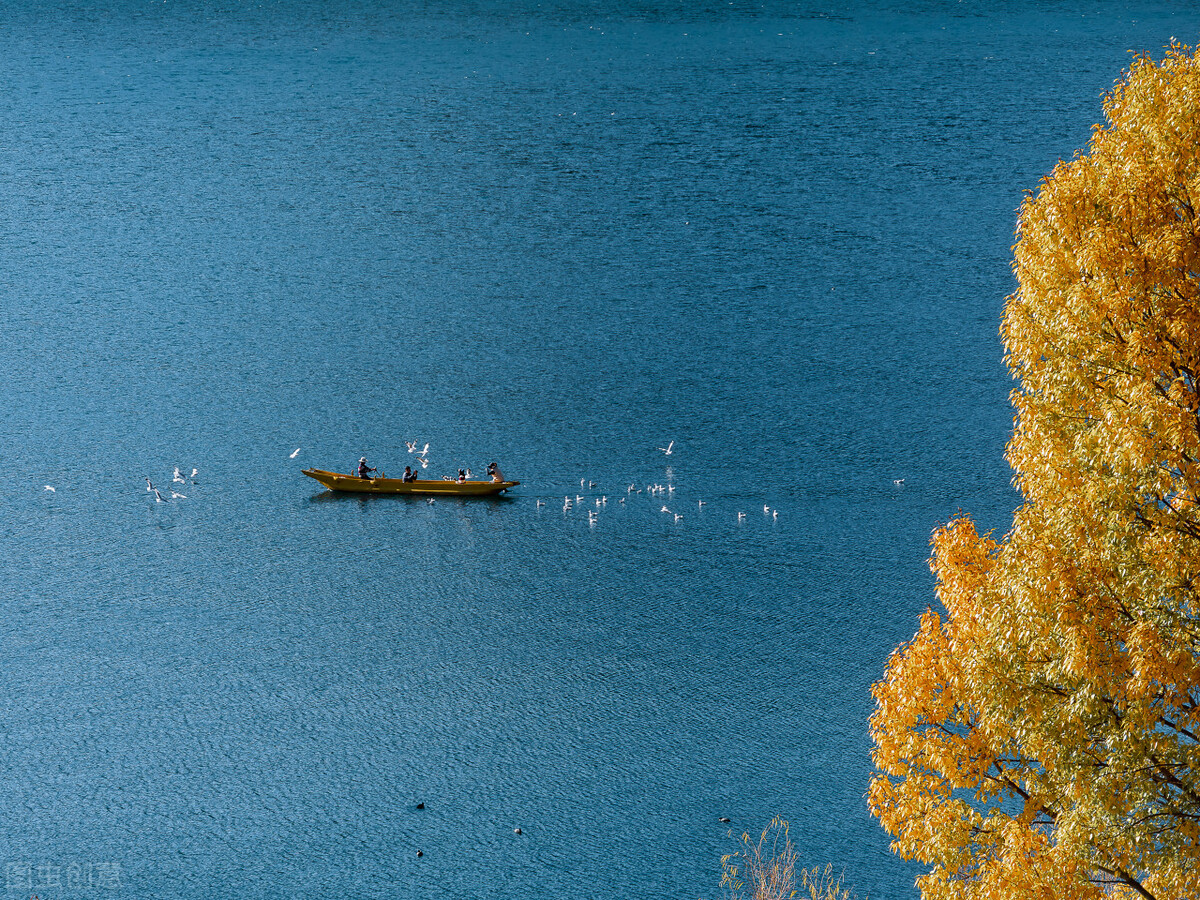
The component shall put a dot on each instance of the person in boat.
(494, 471)
(462, 475)
(364, 469)
(409, 475)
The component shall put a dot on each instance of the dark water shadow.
(347, 496)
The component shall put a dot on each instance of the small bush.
(766, 870)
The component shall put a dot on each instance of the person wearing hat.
(494, 471)
(363, 468)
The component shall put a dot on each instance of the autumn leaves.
(1042, 737)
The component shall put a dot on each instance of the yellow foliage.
(1041, 739)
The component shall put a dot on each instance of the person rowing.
(363, 468)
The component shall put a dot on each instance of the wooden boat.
(353, 484)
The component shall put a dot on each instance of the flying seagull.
(294, 452)
(667, 449)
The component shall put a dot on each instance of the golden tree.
(1041, 737)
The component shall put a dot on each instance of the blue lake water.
(558, 235)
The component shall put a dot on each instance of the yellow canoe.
(352, 483)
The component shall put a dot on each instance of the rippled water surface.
(557, 235)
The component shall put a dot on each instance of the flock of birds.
(655, 492)
(595, 504)
(176, 478)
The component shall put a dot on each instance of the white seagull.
(50, 489)
(294, 452)
(666, 449)
(149, 486)
(175, 495)
(178, 476)
(159, 498)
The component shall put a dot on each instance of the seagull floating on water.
(50, 489)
